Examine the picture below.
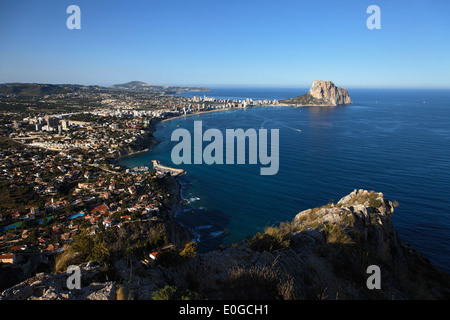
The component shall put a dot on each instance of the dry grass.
(67, 258)
(120, 293)
(273, 238)
(335, 234)
(265, 283)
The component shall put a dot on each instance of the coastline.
(174, 188)
(197, 113)
(240, 108)
(149, 142)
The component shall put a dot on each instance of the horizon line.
(287, 86)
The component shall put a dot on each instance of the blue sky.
(233, 42)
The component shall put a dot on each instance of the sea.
(394, 141)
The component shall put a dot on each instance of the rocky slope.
(54, 287)
(323, 253)
(322, 93)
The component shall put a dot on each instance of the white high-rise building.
(65, 124)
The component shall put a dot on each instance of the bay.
(391, 141)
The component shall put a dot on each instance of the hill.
(35, 90)
(40, 89)
(142, 86)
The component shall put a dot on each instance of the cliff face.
(323, 253)
(327, 91)
(322, 93)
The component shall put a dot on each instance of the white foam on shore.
(195, 236)
(208, 226)
(216, 234)
(193, 199)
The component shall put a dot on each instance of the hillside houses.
(50, 198)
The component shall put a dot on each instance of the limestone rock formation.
(54, 287)
(321, 93)
(327, 91)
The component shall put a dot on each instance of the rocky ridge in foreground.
(323, 253)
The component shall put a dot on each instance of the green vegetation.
(374, 202)
(33, 89)
(309, 220)
(189, 251)
(175, 257)
(86, 117)
(153, 243)
(260, 282)
(335, 234)
(18, 196)
(305, 99)
(84, 248)
(371, 198)
(273, 238)
(174, 293)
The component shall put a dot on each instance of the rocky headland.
(322, 93)
(323, 253)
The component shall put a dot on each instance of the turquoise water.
(391, 141)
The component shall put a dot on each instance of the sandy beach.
(197, 113)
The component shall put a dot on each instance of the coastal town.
(66, 201)
(60, 174)
(275, 156)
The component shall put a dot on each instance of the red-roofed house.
(154, 255)
(16, 215)
(103, 208)
(108, 223)
(8, 258)
(18, 248)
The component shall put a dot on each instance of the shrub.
(273, 238)
(189, 250)
(99, 251)
(268, 242)
(174, 293)
(82, 243)
(141, 247)
(157, 240)
(309, 220)
(260, 282)
(90, 248)
(374, 202)
(335, 234)
(66, 258)
(348, 219)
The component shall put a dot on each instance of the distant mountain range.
(139, 85)
(40, 89)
